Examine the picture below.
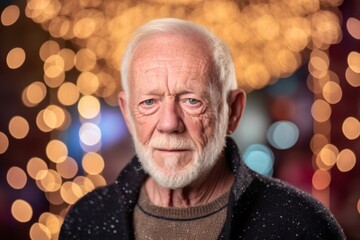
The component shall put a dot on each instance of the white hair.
(223, 68)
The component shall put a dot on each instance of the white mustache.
(171, 142)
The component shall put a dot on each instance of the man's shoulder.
(278, 193)
(270, 200)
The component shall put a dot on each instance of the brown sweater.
(199, 222)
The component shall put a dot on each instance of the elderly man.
(188, 181)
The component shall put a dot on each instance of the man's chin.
(172, 179)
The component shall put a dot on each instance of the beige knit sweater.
(199, 222)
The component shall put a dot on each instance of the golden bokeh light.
(34, 166)
(328, 155)
(346, 160)
(54, 116)
(102, 29)
(68, 93)
(4, 142)
(351, 128)
(48, 180)
(353, 27)
(51, 221)
(69, 58)
(358, 206)
(88, 83)
(16, 177)
(39, 231)
(85, 27)
(68, 168)
(54, 66)
(85, 60)
(48, 49)
(354, 61)
(15, 58)
(40, 123)
(332, 92)
(18, 127)
(54, 82)
(97, 180)
(93, 163)
(71, 192)
(352, 77)
(318, 141)
(89, 106)
(34, 94)
(54, 197)
(10, 15)
(321, 179)
(319, 64)
(85, 184)
(21, 210)
(56, 151)
(320, 110)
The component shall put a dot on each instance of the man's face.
(173, 116)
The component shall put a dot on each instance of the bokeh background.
(62, 135)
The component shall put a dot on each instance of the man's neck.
(218, 182)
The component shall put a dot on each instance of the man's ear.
(122, 101)
(236, 101)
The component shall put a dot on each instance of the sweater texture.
(167, 223)
(258, 208)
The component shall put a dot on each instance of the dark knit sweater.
(259, 208)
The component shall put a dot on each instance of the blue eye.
(193, 101)
(149, 102)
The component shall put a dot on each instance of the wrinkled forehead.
(165, 49)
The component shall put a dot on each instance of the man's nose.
(170, 120)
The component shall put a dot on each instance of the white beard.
(198, 167)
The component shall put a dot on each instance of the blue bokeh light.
(259, 158)
(283, 134)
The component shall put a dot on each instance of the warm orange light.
(351, 128)
(16, 177)
(89, 107)
(352, 77)
(15, 58)
(87, 83)
(48, 48)
(34, 166)
(56, 151)
(353, 26)
(93, 163)
(68, 168)
(10, 15)
(21, 210)
(346, 160)
(18, 127)
(354, 61)
(320, 110)
(317, 142)
(85, 60)
(34, 94)
(4, 142)
(71, 192)
(68, 94)
(39, 231)
(321, 179)
(332, 92)
(97, 180)
(48, 180)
